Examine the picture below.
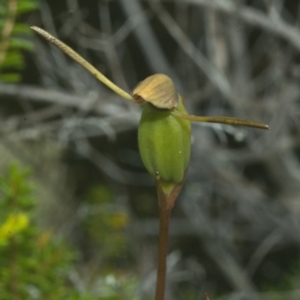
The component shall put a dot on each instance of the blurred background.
(235, 230)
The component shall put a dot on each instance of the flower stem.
(166, 200)
(164, 218)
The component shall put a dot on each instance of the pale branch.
(253, 17)
(31, 93)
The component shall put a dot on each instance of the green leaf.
(3, 10)
(10, 77)
(2, 22)
(18, 43)
(26, 6)
(21, 29)
(13, 60)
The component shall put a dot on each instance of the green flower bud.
(164, 131)
(165, 142)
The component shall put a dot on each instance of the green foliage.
(14, 37)
(33, 265)
(25, 6)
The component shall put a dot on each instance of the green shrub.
(33, 264)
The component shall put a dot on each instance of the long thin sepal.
(222, 120)
(80, 60)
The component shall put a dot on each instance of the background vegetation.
(91, 218)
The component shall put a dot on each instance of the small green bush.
(33, 264)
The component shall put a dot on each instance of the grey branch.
(253, 17)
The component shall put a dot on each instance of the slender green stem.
(80, 60)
